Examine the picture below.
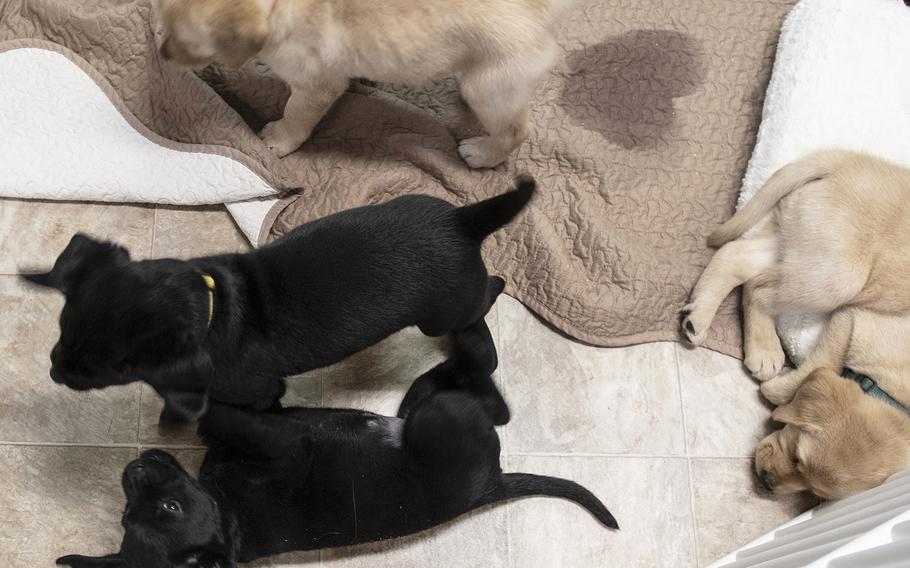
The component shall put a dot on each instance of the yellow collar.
(210, 284)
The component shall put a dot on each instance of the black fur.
(326, 290)
(300, 479)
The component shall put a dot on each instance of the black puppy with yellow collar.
(302, 479)
(231, 327)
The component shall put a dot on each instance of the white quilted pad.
(62, 138)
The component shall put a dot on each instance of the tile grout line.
(605, 455)
(139, 411)
(504, 438)
(112, 446)
(154, 231)
(508, 527)
(682, 408)
(505, 454)
(502, 381)
(139, 420)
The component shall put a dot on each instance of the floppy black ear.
(78, 561)
(41, 279)
(80, 248)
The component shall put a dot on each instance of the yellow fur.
(498, 49)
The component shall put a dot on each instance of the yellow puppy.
(498, 49)
(837, 440)
(826, 233)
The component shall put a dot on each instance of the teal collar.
(871, 387)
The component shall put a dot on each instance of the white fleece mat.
(841, 79)
(62, 138)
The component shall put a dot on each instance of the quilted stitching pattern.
(639, 140)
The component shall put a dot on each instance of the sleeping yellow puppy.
(827, 234)
(498, 49)
(836, 440)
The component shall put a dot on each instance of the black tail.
(515, 485)
(481, 219)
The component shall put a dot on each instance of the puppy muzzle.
(151, 469)
(79, 382)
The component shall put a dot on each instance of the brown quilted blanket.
(639, 140)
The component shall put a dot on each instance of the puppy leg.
(499, 92)
(829, 353)
(451, 430)
(495, 286)
(733, 264)
(475, 361)
(764, 354)
(470, 368)
(260, 435)
(309, 102)
(439, 378)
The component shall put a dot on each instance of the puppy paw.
(693, 327)
(282, 138)
(481, 152)
(779, 391)
(765, 362)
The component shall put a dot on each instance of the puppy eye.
(172, 507)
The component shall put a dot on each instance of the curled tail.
(515, 485)
(481, 219)
(784, 181)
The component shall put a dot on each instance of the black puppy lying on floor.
(300, 479)
(233, 326)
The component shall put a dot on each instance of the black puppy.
(300, 479)
(233, 326)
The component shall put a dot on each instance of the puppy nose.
(765, 480)
(136, 473)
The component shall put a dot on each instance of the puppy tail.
(481, 219)
(784, 181)
(516, 485)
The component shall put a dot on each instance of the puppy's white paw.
(282, 138)
(779, 390)
(481, 152)
(693, 326)
(765, 361)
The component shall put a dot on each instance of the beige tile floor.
(663, 434)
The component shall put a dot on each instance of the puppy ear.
(41, 279)
(820, 396)
(80, 249)
(78, 561)
(239, 32)
(793, 414)
(785, 414)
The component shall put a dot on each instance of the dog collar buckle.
(210, 284)
(866, 383)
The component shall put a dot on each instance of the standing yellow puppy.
(498, 49)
